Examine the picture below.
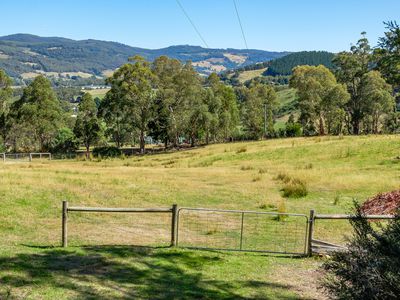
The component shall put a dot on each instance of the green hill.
(284, 65)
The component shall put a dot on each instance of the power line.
(191, 22)
(240, 23)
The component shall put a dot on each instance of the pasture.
(101, 261)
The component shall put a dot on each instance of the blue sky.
(277, 25)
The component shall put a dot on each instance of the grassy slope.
(31, 266)
(285, 98)
(98, 93)
(247, 75)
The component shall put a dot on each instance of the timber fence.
(201, 228)
(25, 156)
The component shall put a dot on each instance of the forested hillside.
(24, 55)
(284, 65)
(277, 70)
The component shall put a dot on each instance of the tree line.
(170, 102)
(359, 96)
(165, 99)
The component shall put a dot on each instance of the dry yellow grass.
(336, 170)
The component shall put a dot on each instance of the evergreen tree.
(5, 96)
(39, 110)
(134, 83)
(351, 67)
(88, 128)
(321, 98)
(258, 111)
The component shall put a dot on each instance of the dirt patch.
(382, 204)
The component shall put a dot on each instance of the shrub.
(294, 189)
(370, 267)
(65, 141)
(293, 130)
(107, 151)
(282, 210)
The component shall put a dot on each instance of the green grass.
(335, 170)
(100, 93)
(247, 75)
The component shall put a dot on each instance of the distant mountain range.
(24, 56)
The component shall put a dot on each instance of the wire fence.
(242, 230)
(214, 229)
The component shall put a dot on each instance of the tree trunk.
(87, 151)
(321, 126)
(142, 144)
(356, 127)
(192, 141)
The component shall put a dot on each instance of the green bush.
(370, 267)
(293, 130)
(107, 152)
(295, 188)
(64, 142)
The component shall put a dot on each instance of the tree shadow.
(124, 272)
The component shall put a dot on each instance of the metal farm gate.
(237, 230)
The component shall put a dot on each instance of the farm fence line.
(204, 228)
(25, 156)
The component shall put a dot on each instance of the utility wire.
(240, 23)
(191, 22)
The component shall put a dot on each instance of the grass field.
(101, 263)
(100, 93)
(247, 75)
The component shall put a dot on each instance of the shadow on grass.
(123, 272)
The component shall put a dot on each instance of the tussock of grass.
(263, 170)
(246, 168)
(308, 166)
(283, 177)
(241, 150)
(294, 189)
(270, 207)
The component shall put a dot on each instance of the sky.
(278, 25)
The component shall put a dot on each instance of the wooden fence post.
(174, 224)
(64, 237)
(310, 232)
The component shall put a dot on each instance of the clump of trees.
(357, 96)
(165, 100)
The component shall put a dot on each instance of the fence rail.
(24, 156)
(334, 237)
(233, 230)
(66, 209)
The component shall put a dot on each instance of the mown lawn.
(102, 263)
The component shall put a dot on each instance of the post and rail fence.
(67, 209)
(232, 230)
(25, 156)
